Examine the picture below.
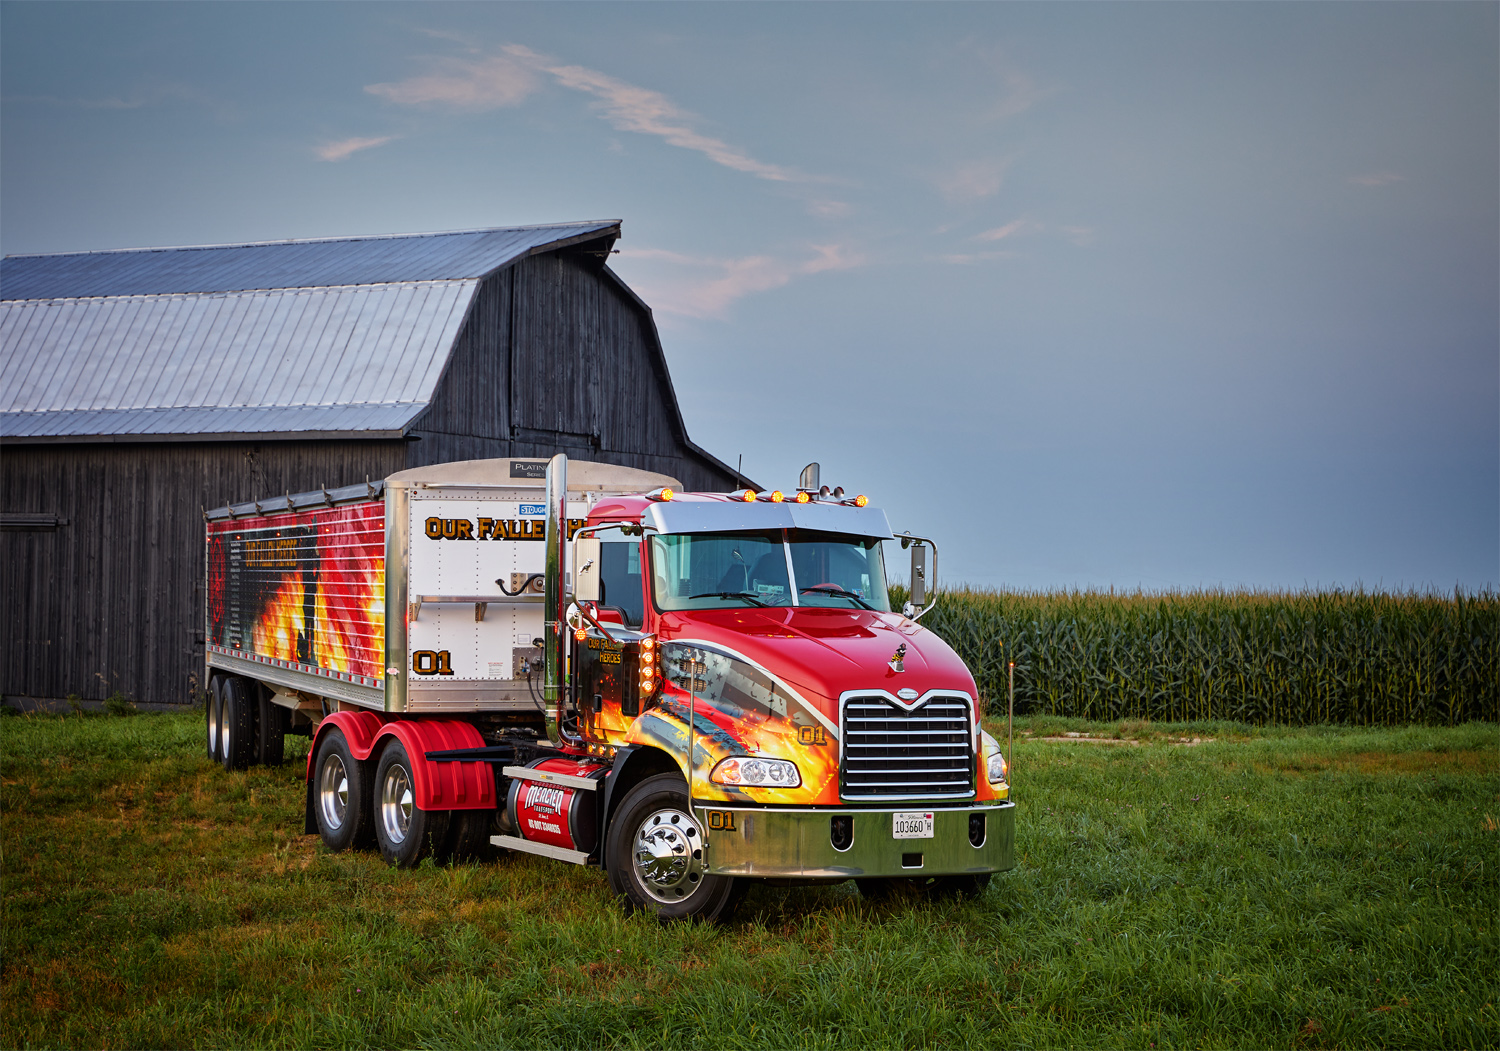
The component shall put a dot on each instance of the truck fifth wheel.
(687, 690)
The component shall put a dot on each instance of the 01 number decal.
(432, 662)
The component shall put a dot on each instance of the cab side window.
(620, 579)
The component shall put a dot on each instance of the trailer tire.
(215, 715)
(237, 718)
(341, 799)
(406, 833)
(655, 852)
(270, 741)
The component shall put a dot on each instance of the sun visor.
(715, 516)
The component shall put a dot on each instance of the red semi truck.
(688, 690)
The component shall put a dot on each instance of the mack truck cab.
(730, 697)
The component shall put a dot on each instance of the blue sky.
(1159, 295)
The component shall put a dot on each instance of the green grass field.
(1320, 887)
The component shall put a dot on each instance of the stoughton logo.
(544, 798)
(534, 509)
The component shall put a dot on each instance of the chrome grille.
(891, 753)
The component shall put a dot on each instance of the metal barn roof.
(286, 264)
(300, 337)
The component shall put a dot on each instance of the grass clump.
(1332, 886)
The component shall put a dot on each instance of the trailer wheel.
(340, 798)
(655, 850)
(214, 708)
(270, 741)
(405, 832)
(236, 724)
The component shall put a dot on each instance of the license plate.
(915, 825)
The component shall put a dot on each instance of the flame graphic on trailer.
(307, 587)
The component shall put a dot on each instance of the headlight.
(998, 771)
(742, 771)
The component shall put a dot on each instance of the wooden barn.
(139, 388)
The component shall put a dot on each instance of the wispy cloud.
(476, 84)
(828, 209)
(1010, 229)
(1018, 93)
(973, 180)
(337, 151)
(1376, 179)
(507, 78)
(970, 258)
(705, 286)
(1079, 235)
(143, 96)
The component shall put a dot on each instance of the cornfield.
(1289, 658)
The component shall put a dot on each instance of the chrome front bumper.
(798, 843)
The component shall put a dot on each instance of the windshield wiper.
(752, 596)
(834, 589)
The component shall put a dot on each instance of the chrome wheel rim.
(668, 855)
(333, 792)
(213, 725)
(396, 802)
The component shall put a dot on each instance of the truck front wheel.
(340, 797)
(656, 862)
(406, 833)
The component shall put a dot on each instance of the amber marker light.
(580, 634)
(777, 496)
(750, 495)
(665, 493)
(861, 500)
(803, 498)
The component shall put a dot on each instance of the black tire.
(215, 715)
(406, 833)
(468, 834)
(270, 740)
(655, 852)
(341, 797)
(237, 724)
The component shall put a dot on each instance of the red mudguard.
(439, 786)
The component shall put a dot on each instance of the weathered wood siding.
(113, 599)
(557, 357)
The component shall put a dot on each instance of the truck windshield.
(718, 570)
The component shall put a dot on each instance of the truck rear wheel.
(468, 834)
(236, 724)
(406, 833)
(341, 800)
(270, 741)
(655, 851)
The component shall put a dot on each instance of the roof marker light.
(665, 493)
(803, 498)
(861, 500)
(777, 496)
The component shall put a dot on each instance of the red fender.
(360, 730)
(443, 786)
(438, 786)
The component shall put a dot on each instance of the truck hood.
(824, 652)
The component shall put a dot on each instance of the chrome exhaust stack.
(555, 651)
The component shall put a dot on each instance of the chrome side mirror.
(586, 569)
(918, 589)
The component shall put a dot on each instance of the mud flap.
(310, 820)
